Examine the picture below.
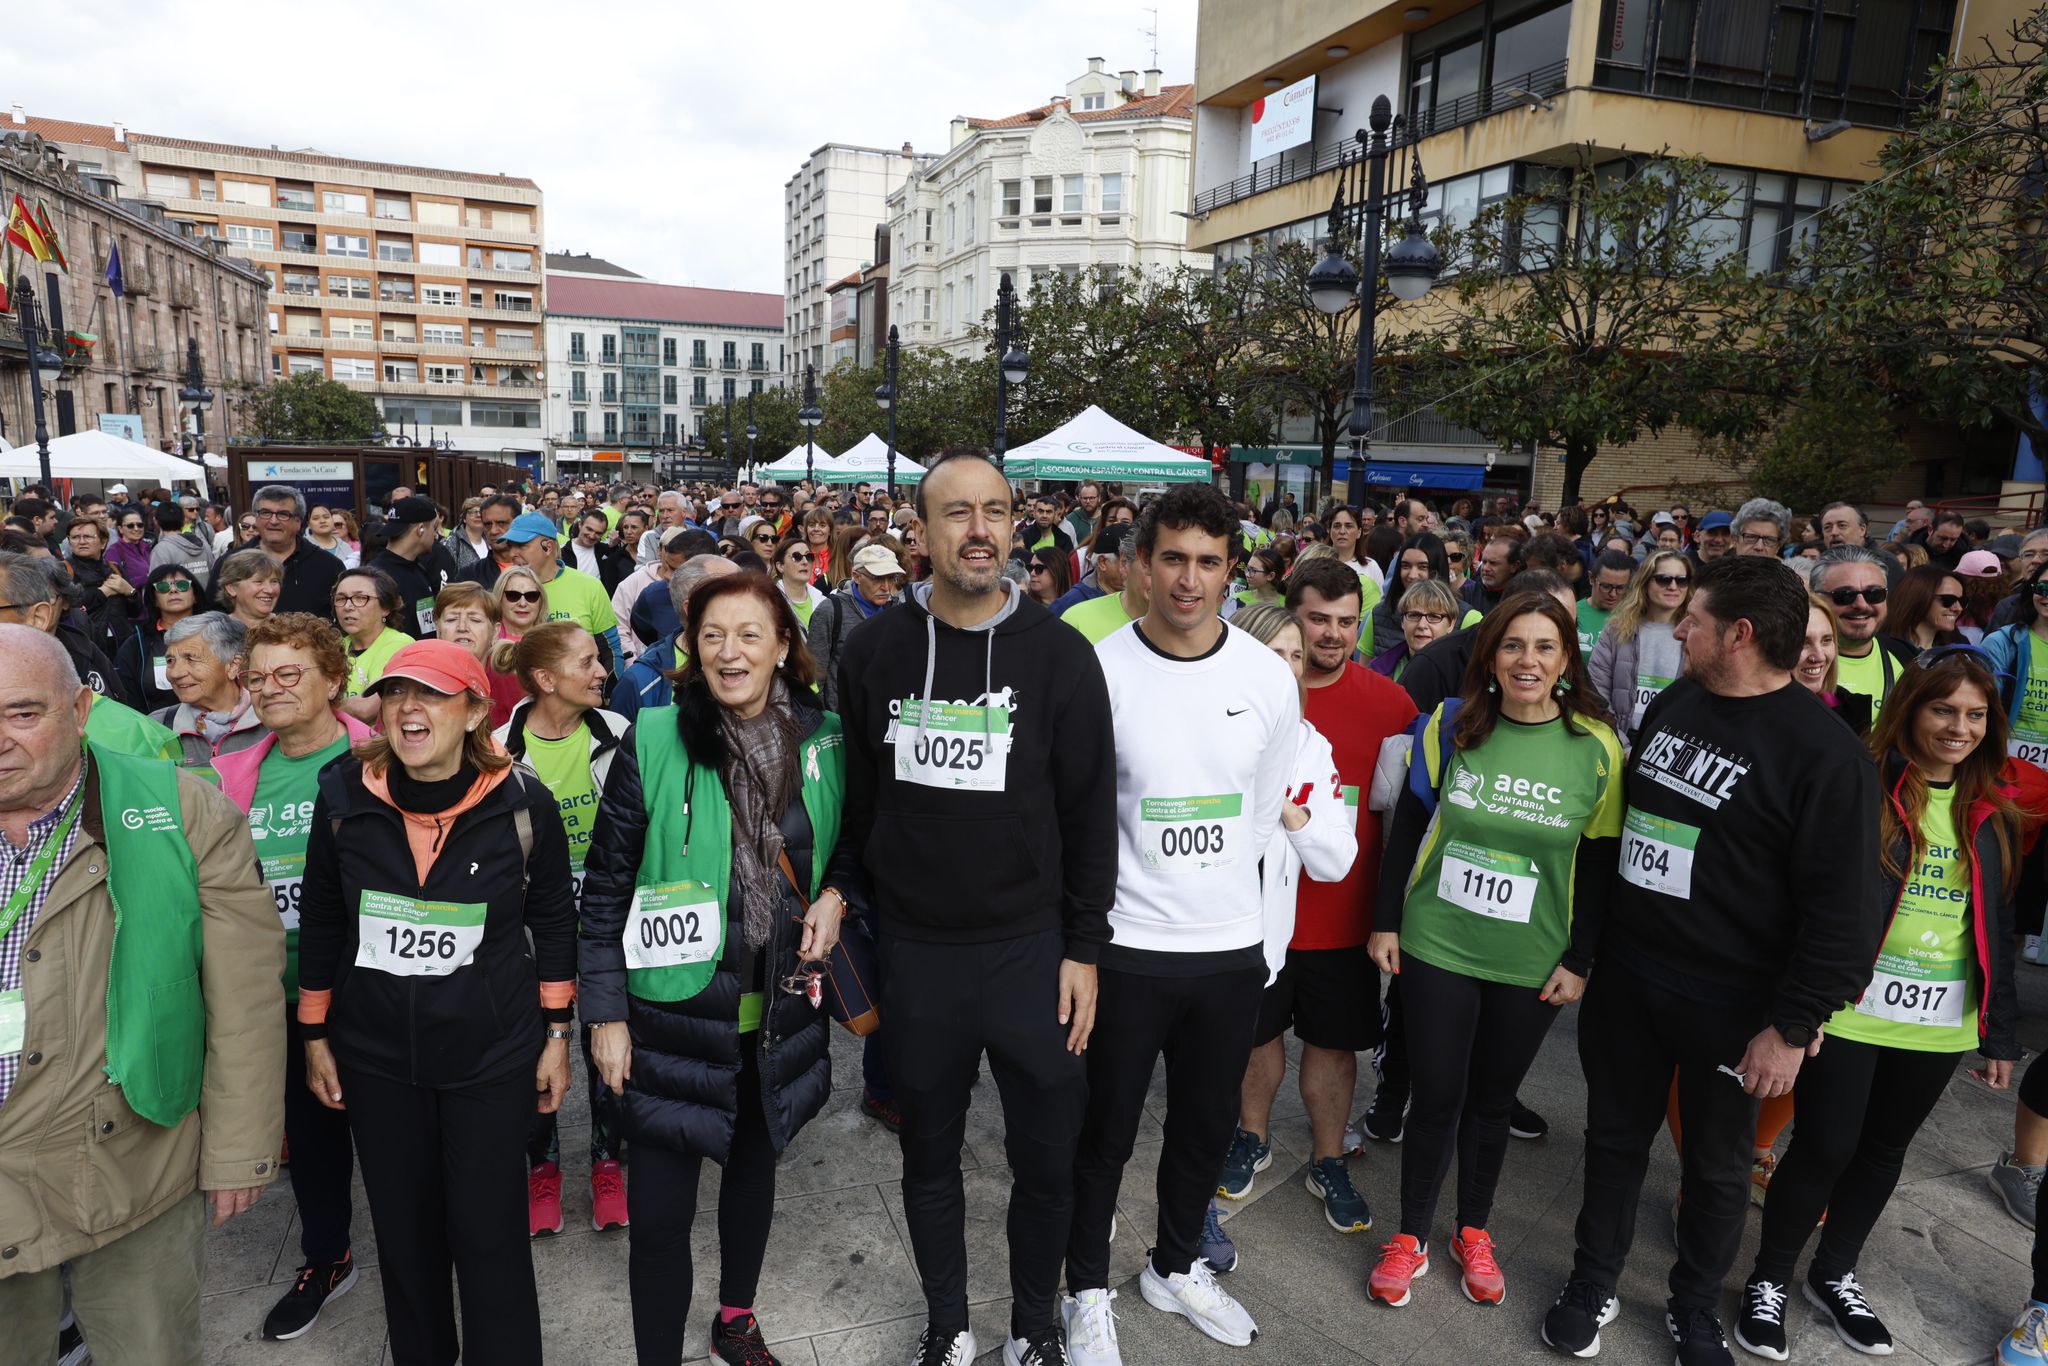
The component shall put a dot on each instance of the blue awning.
(1425, 476)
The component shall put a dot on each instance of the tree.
(313, 408)
(1610, 302)
(774, 422)
(1091, 338)
(1305, 360)
(1835, 441)
(1206, 323)
(941, 400)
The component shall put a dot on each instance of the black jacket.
(481, 1021)
(1439, 671)
(95, 670)
(309, 578)
(970, 866)
(684, 1090)
(417, 584)
(613, 563)
(142, 644)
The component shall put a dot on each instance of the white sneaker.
(1091, 1328)
(1197, 1296)
(2032, 951)
(938, 1352)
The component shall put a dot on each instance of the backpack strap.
(1421, 781)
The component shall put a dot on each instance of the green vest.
(680, 795)
(156, 1012)
(112, 726)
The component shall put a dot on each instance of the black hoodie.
(971, 866)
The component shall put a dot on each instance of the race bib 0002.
(959, 748)
(409, 938)
(671, 924)
(1191, 834)
(1656, 854)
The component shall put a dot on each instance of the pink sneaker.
(544, 1199)
(607, 1195)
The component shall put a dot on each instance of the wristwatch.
(1795, 1036)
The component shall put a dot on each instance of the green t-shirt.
(573, 595)
(1098, 618)
(1924, 987)
(367, 666)
(611, 517)
(1868, 675)
(280, 818)
(1592, 621)
(2029, 739)
(1369, 595)
(1491, 895)
(564, 769)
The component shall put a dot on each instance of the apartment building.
(123, 355)
(1790, 100)
(1093, 177)
(633, 364)
(829, 211)
(422, 287)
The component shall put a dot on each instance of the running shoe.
(1402, 1262)
(1761, 1329)
(1248, 1156)
(1472, 1250)
(1574, 1320)
(314, 1287)
(955, 1349)
(1046, 1347)
(1384, 1121)
(2019, 1188)
(1216, 1247)
(1699, 1337)
(1526, 1123)
(1196, 1297)
(1760, 1173)
(1091, 1328)
(2027, 1343)
(739, 1342)
(544, 1200)
(1856, 1323)
(1330, 1181)
(883, 1112)
(71, 1348)
(2032, 949)
(607, 1195)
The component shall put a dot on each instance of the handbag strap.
(787, 871)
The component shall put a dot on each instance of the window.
(969, 234)
(1093, 101)
(576, 351)
(437, 213)
(296, 282)
(668, 388)
(927, 305)
(248, 237)
(435, 412)
(579, 430)
(668, 354)
(949, 308)
(502, 414)
(730, 356)
(305, 365)
(928, 224)
(445, 374)
(401, 372)
(1113, 193)
(668, 428)
(608, 348)
(1070, 194)
(355, 371)
(697, 390)
(515, 339)
(609, 385)
(952, 225)
(355, 329)
(347, 244)
(967, 311)
(516, 302)
(441, 296)
(398, 210)
(298, 324)
(244, 192)
(697, 353)
(298, 197)
(400, 330)
(395, 289)
(165, 185)
(441, 334)
(440, 254)
(511, 260)
(757, 356)
(1013, 198)
(611, 426)
(1041, 194)
(394, 249)
(731, 390)
(340, 201)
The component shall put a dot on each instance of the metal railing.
(2020, 507)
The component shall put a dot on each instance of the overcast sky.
(661, 134)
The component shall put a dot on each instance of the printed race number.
(1656, 854)
(286, 891)
(1190, 834)
(2032, 748)
(950, 751)
(1487, 882)
(672, 924)
(1906, 1000)
(960, 748)
(409, 938)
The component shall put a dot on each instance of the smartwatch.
(1795, 1036)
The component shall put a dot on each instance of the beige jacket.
(78, 1168)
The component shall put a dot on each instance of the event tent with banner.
(868, 462)
(791, 466)
(99, 455)
(1095, 445)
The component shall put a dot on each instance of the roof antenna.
(1153, 34)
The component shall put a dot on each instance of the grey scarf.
(760, 777)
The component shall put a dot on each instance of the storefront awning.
(1405, 475)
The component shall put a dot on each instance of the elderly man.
(132, 1076)
(669, 512)
(878, 579)
(203, 659)
(678, 544)
(309, 571)
(2033, 554)
(646, 683)
(1843, 524)
(1761, 528)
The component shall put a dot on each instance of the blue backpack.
(1420, 782)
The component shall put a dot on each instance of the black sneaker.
(1698, 1335)
(1387, 1118)
(1526, 1123)
(1855, 1322)
(1574, 1322)
(71, 1348)
(882, 1112)
(739, 1343)
(1046, 1347)
(300, 1308)
(1761, 1329)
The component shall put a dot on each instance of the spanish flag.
(23, 232)
(51, 237)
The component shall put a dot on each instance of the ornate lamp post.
(1012, 365)
(885, 399)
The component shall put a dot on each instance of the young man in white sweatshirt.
(1205, 720)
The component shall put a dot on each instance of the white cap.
(117, 488)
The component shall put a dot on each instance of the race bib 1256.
(409, 938)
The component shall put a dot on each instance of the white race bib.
(1191, 834)
(423, 610)
(2029, 745)
(160, 670)
(1488, 882)
(673, 923)
(1647, 689)
(1914, 1001)
(1656, 854)
(961, 749)
(13, 1022)
(409, 938)
(286, 890)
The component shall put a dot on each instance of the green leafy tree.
(941, 400)
(774, 421)
(313, 408)
(1838, 441)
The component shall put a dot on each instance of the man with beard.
(1853, 579)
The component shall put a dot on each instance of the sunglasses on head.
(1842, 597)
(1934, 655)
(522, 595)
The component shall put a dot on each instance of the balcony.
(729, 363)
(757, 366)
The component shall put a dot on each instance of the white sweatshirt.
(1204, 751)
(1326, 846)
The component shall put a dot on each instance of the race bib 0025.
(409, 938)
(1656, 854)
(959, 748)
(1191, 834)
(673, 923)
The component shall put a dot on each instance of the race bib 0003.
(1191, 834)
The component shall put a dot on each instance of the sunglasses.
(1842, 597)
(803, 555)
(131, 526)
(766, 538)
(2040, 588)
(1935, 654)
(1455, 556)
(522, 595)
(1949, 599)
(1671, 580)
(174, 585)
(1037, 568)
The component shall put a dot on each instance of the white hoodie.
(1326, 846)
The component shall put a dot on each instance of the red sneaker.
(607, 1195)
(544, 1199)
(1472, 1250)
(1402, 1262)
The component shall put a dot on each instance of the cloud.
(661, 134)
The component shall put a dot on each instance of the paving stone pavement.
(1946, 1267)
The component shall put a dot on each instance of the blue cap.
(1713, 521)
(532, 526)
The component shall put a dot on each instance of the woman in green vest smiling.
(696, 951)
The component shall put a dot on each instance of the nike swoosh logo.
(1239, 712)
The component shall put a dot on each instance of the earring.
(1564, 685)
(1493, 685)
(782, 662)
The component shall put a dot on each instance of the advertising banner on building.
(1286, 118)
(322, 483)
(127, 426)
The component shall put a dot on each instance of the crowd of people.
(1079, 784)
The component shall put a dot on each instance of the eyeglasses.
(1759, 540)
(275, 515)
(1949, 599)
(807, 981)
(174, 585)
(522, 595)
(1422, 618)
(1671, 580)
(131, 526)
(354, 599)
(285, 676)
(803, 555)
(1037, 568)
(2040, 588)
(1842, 597)
(765, 538)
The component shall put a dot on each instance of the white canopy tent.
(868, 462)
(791, 466)
(99, 455)
(1094, 445)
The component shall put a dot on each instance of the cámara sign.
(1286, 118)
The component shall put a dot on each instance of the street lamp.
(752, 430)
(1012, 365)
(728, 433)
(810, 417)
(885, 399)
(39, 359)
(1411, 268)
(196, 398)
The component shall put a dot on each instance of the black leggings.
(323, 1156)
(1855, 1111)
(544, 1139)
(1470, 1043)
(1390, 1059)
(658, 1268)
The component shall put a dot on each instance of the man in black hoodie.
(981, 824)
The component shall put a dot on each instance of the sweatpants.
(323, 1160)
(136, 1299)
(1637, 1024)
(445, 1171)
(1859, 1106)
(1203, 1025)
(658, 1266)
(544, 1139)
(1472, 1044)
(945, 1005)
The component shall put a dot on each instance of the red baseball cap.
(441, 665)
